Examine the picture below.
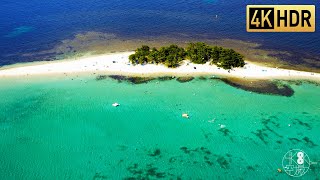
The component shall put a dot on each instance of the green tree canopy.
(228, 59)
(140, 55)
(198, 53)
(172, 55)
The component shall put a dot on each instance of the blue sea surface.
(32, 26)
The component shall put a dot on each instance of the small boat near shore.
(115, 104)
(185, 115)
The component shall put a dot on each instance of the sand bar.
(118, 63)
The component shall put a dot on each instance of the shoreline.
(118, 64)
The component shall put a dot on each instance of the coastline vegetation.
(198, 53)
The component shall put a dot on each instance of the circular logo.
(296, 163)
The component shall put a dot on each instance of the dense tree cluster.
(199, 53)
(171, 56)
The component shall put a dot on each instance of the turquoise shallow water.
(58, 128)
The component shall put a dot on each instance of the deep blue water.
(36, 25)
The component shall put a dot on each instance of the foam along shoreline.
(118, 63)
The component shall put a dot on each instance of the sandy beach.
(118, 63)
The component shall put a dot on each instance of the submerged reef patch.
(101, 77)
(260, 133)
(98, 176)
(308, 142)
(185, 79)
(201, 150)
(133, 80)
(145, 173)
(304, 124)
(261, 86)
(166, 78)
(118, 78)
(226, 132)
(196, 156)
(269, 130)
(252, 168)
(202, 78)
(223, 162)
(208, 157)
(139, 80)
(156, 152)
(305, 140)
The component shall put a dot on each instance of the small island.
(195, 59)
(197, 53)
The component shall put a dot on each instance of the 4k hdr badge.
(281, 18)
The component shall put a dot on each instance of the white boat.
(115, 104)
(185, 115)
